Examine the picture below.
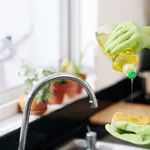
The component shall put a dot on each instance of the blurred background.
(40, 37)
(45, 32)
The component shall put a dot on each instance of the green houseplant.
(62, 88)
(32, 76)
(57, 89)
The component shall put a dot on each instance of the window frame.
(64, 53)
(70, 29)
(74, 29)
(75, 34)
(69, 40)
(70, 47)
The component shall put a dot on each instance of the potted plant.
(71, 86)
(62, 88)
(58, 89)
(32, 76)
(78, 73)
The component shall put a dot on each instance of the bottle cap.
(132, 74)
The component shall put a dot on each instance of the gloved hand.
(133, 133)
(128, 35)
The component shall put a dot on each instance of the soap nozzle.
(132, 74)
(130, 71)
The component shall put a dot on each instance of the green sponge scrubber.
(130, 132)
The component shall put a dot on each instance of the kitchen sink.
(108, 143)
(74, 144)
(111, 143)
(112, 146)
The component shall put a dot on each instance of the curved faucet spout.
(36, 89)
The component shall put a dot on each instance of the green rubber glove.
(128, 35)
(130, 132)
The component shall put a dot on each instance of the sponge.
(120, 116)
(133, 129)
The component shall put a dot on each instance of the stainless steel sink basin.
(75, 144)
(111, 143)
(108, 143)
(113, 146)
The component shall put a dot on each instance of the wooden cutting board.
(104, 116)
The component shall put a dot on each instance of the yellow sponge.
(141, 120)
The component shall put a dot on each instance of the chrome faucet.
(36, 89)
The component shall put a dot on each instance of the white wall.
(115, 12)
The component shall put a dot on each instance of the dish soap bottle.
(124, 61)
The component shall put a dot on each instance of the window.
(83, 24)
(88, 22)
(33, 27)
(42, 33)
